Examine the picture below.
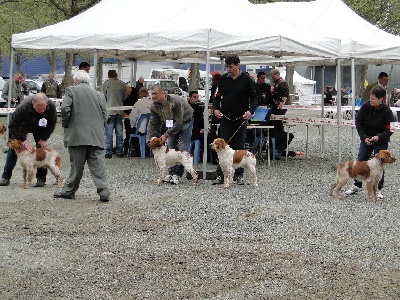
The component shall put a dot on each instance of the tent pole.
(353, 110)
(322, 110)
(120, 69)
(10, 83)
(134, 73)
(206, 115)
(95, 59)
(131, 76)
(339, 106)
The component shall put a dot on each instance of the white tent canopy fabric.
(360, 39)
(171, 31)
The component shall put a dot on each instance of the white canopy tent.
(172, 30)
(361, 41)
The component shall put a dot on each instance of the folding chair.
(142, 138)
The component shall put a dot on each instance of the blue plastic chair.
(142, 138)
(196, 151)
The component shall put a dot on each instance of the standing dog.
(230, 159)
(165, 158)
(39, 158)
(369, 171)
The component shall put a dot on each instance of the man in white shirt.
(142, 106)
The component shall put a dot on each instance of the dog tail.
(58, 162)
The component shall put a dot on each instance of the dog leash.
(236, 129)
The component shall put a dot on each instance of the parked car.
(2, 83)
(169, 86)
(34, 86)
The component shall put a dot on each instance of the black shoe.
(104, 199)
(120, 155)
(218, 180)
(61, 195)
(4, 182)
(108, 156)
(239, 180)
(40, 183)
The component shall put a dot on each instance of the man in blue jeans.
(175, 115)
(115, 93)
(373, 126)
(36, 115)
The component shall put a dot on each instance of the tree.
(15, 17)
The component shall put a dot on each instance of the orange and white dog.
(165, 158)
(369, 171)
(39, 158)
(230, 159)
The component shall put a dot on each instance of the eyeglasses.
(155, 93)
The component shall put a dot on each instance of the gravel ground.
(286, 239)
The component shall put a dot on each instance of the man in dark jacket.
(234, 104)
(263, 90)
(36, 115)
(373, 126)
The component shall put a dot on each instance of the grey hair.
(40, 97)
(81, 76)
(158, 87)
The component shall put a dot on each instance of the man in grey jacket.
(173, 116)
(83, 113)
(19, 90)
(115, 92)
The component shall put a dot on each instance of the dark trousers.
(281, 139)
(364, 153)
(235, 133)
(11, 161)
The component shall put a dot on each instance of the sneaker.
(167, 178)
(352, 191)
(174, 179)
(380, 195)
(239, 180)
(4, 182)
(218, 180)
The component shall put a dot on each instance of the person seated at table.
(198, 127)
(142, 106)
(328, 100)
(278, 132)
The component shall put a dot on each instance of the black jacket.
(235, 97)
(198, 121)
(26, 120)
(371, 121)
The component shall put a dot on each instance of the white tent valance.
(178, 29)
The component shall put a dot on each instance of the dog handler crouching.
(373, 126)
(36, 115)
(176, 115)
